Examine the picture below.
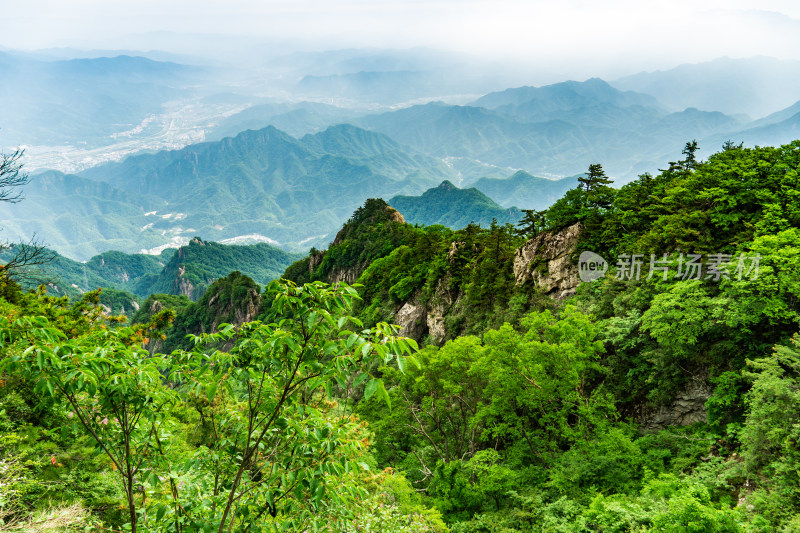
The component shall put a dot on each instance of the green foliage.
(610, 463)
(114, 390)
(396, 262)
(272, 449)
(539, 393)
(532, 223)
(596, 185)
(118, 302)
(479, 417)
(233, 299)
(156, 303)
(770, 434)
(189, 269)
(270, 446)
(520, 415)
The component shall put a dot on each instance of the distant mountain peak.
(450, 206)
(564, 95)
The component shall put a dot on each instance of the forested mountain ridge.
(675, 350)
(258, 186)
(294, 192)
(187, 271)
(453, 207)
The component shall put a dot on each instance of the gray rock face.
(418, 319)
(689, 407)
(346, 275)
(438, 307)
(411, 319)
(547, 261)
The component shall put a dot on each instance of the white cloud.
(639, 33)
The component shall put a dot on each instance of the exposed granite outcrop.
(349, 274)
(411, 317)
(546, 260)
(236, 313)
(418, 319)
(688, 407)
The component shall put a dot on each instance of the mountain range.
(289, 173)
(754, 86)
(556, 130)
(258, 186)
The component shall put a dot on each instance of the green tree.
(271, 448)
(596, 185)
(533, 223)
(272, 442)
(114, 389)
(771, 433)
(539, 395)
(690, 160)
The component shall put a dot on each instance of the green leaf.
(371, 387)
(211, 389)
(384, 394)
(360, 379)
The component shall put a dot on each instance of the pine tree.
(690, 161)
(531, 224)
(596, 185)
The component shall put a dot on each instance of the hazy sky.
(637, 33)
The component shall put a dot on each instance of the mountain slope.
(187, 271)
(559, 131)
(538, 104)
(194, 267)
(80, 217)
(295, 119)
(755, 86)
(764, 134)
(83, 100)
(260, 186)
(453, 207)
(524, 190)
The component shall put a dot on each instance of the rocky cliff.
(418, 319)
(547, 261)
(688, 407)
(348, 255)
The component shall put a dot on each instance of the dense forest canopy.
(663, 402)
